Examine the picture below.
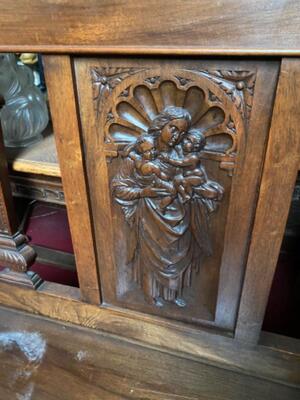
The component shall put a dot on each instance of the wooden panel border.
(242, 203)
(59, 81)
(278, 182)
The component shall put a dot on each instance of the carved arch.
(127, 99)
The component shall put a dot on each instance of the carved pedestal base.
(15, 253)
(16, 256)
(28, 279)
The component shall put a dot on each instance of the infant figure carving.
(166, 198)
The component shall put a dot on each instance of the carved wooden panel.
(169, 163)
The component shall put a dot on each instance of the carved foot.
(158, 302)
(28, 279)
(180, 302)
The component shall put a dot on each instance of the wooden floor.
(46, 360)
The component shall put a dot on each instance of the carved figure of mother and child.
(166, 198)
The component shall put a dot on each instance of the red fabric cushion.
(48, 226)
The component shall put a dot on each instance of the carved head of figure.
(146, 147)
(170, 125)
(193, 141)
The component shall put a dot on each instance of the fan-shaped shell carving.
(136, 98)
(135, 114)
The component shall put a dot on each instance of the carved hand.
(209, 193)
(153, 192)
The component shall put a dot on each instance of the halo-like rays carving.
(144, 96)
(127, 112)
(136, 110)
(194, 103)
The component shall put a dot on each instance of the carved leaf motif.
(183, 81)
(111, 77)
(233, 75)
(238, 86)
(105, 79)
(110, 116)
(125, 92)
(213, 97)
(152, 80)
(231, 125)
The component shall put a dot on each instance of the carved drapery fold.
(162, 126)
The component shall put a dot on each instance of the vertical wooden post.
(278, 181)
(15, 254)
(59, 82)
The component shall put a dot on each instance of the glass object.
(25, 114)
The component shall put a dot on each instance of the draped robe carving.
(166, 199)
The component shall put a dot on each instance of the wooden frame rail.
(63, 303)
(201, 27)
(58, 73)
(278, 182)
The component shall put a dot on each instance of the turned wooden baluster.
(15, 253)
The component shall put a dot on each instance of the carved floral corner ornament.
(163, 125)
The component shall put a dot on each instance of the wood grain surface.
(67, 363)
(40, 158)
(219, 285)
(277, 186)
(63, 303)
(58, 75)
(152, 26)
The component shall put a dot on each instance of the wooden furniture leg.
(15, 253)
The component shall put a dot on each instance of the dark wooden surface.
(15, 253)
(215, 299)
(176, 361)
(58, 74)
(34, 171)
(37, 187)
(277, 186)
(45, 360)
(63, 303)
(172, 26)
